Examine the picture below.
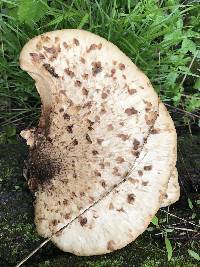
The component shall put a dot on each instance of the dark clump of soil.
(41, 166)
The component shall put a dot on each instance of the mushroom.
(102, 159)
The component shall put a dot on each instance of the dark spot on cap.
(99, 141)
(110, 245)
(50, 50)
(120, 160)
(67, 216)
(95, 152)
(124, 137)
(132, 91)
(65, 45)
(66, 116)
(75, 142)
(110, 127)
(136, 144)
(82, 194)
(121, 66)
(70, 128)
(97, 68)
(131, 111)
(82, 60)
(77, 83)
(104, 95)
(69, 72)
(61, 109)
(85, 91)
(111, 207)
(65, 201)
(97, 173)
(132, 180)
(145, 183)
(76, 41)
(88, 138)
(82, 220)
(140, 173)
(130, 198)
(121, 210)
(51, 70)
(85, 76)
(155, 131)
(113, 71)
(103, 183)
(54, 222)
(148, 168)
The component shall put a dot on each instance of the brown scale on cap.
(100, 141)
(124, 137)
(76, 42)
(133, 181)
(85, 76)
(120, 160)
(97, 173)
(145, 183)
(121, 66)
(66, 116)
(50, 50)
(65, 202)
(111, 245)
(67, 216)
(136, 144)
(132, 91)
(77, 83)
(95, 152)
(75, 142)
(82, 221)
(54, 222)
(65, 45)
(130, 198)
(104, 95)
(155, 131)
(37, 57)
(103, 183)
(97, 68)
(151, 117)
(69, 72)
(140, 173)
(70, 128)
(110, 127)
(88, 138)
(111, 206)
(148, 167)
(131, 111)
(120, 210)
(85, 91)
(51, 70)
(82, 60)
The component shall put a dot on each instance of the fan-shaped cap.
(104, 150)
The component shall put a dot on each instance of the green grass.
(161, 37)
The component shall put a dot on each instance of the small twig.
(182, 229)
(180, 218)
(34, 251)
(191, 63)
(184, 111)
